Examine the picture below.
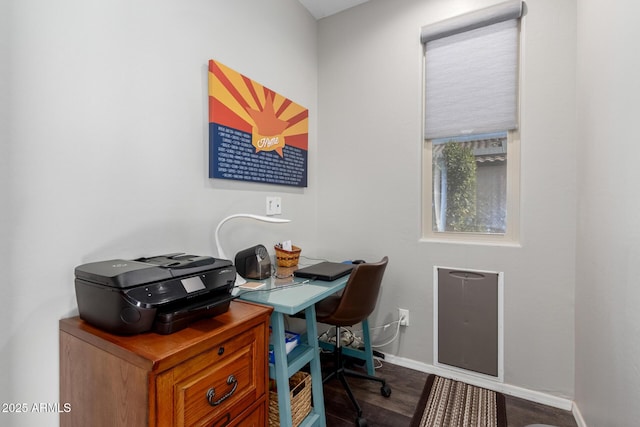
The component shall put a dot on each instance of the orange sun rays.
(274, 119)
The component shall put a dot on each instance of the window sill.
(471, 240)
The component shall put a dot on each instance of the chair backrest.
(360, 295)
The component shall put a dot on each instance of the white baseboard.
(578, 416)
(531, 395)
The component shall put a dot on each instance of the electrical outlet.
(403, 315)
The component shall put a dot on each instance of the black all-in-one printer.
(164, 293)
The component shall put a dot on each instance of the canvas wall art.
(255, 134)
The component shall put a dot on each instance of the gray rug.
(449, 403)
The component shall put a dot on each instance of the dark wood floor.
(407, 385)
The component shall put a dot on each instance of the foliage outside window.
(459, 166)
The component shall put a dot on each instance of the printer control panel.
(165, 292)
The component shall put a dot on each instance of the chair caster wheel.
(385, 390)
(361, 422)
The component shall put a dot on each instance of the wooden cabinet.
(213, 373)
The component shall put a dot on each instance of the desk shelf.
(299, 357)
(366, 354)
(313, 419)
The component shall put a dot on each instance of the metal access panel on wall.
(468, 321)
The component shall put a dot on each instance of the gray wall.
(108, 151)
(608, 250)
(5, 265)
(369, 145)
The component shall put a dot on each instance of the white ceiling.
(321, 8)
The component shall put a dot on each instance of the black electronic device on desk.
(326, 271)
(164, 293)
(253, 263)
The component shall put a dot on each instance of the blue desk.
(286, 299)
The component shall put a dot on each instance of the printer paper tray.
(170, 321)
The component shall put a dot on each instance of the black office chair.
(355, 304)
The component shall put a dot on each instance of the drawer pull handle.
(212, 392)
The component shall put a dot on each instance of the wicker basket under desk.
(300, 394)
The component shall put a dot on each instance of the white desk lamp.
(239, 279)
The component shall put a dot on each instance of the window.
(471, 151)
(468, 189)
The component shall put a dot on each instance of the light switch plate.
(274, 205)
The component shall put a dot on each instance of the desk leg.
(368, 350)
(316, 370)
(282, 371)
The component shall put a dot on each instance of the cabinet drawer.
(221, 382)
(218, 389)
(254, 417)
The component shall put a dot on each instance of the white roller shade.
(512, 9)
(471, 77)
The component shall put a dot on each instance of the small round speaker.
(130, 315)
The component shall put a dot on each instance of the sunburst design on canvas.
(240, 103)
